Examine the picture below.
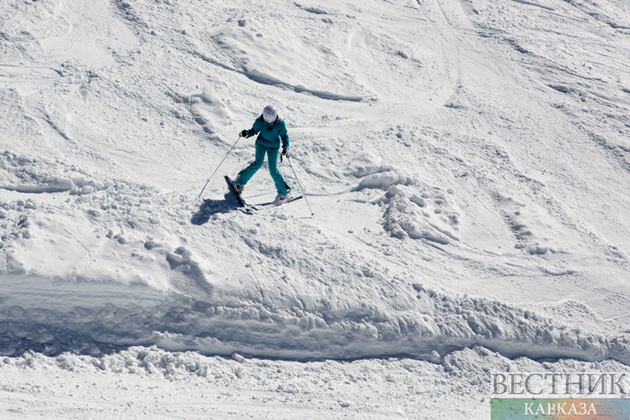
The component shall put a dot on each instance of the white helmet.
(269, 114)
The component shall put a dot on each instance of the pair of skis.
(249, 208)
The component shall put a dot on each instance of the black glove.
(285, 152)
(244, 133)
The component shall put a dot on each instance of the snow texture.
(467, 164)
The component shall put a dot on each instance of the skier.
(271, 132)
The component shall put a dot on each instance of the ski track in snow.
(467, 163)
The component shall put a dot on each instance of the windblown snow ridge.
(34, 315)
(265, 79)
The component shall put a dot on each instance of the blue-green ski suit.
(270, 138)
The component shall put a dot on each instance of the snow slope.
(467, 164)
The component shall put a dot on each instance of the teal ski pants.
(272, 159)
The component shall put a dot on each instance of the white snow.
(467, 163)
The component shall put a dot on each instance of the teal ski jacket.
(270, 135)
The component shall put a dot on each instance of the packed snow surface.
(467, 164)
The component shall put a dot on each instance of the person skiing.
(272, 133)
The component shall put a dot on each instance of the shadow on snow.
(211, 207)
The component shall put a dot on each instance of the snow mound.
(366, 164)
(149, 382)
(374, 174)
(425, 325)
(535, 230)
(28, 175)
(426, 215)
(210, 112)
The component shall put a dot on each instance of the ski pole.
(219, 165)
(300, 185)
